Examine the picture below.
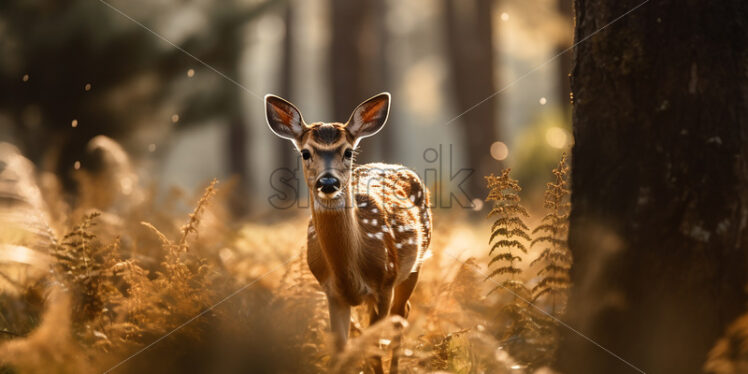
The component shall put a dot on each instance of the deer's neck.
(339, 237)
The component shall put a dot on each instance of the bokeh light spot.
(175, 118)
(543, 101)
(505, 16)
(191, 73)
(77, 165)
(477, 205)
(556, 137)
(87, 87)
(25, 78)
(499, 151)
(74, 123)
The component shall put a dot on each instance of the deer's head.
(327, 148)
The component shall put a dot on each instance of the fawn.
(371, 224)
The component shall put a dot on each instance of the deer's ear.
(369, 117)
(283, 118)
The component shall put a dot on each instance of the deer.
(370, 225)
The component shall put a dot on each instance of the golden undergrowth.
(140, 287)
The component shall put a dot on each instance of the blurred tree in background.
(358, 64)
(469, 37)
(75, 69)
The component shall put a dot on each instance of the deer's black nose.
(328, 183)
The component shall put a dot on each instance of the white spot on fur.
(385, 229)
(413, 198)
(379, 235)
(374, 210)
(362, 205)
(374, 221)
(365, 220)
(398, 245)
(369, 234)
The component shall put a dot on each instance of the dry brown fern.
(507, 231)
(509, 234)
(552, 233)
(194, 221)
(550, 293)
(82, 264)
(302, 301)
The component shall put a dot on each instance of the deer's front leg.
(378, 312)
(340, 320)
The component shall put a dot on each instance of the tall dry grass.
(139, 283)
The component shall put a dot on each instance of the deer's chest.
(354, 274)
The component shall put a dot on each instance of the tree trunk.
(565, 9)
(659, 183)
(357, 62)
(286, 153)
(470, 47)
(236, 141)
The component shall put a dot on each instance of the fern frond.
(552, 240)
(553, 230)
(509, 233)
(510, 222)
(508, 244)
(503, 257)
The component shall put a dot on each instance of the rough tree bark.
(660, 183)
(470, 50)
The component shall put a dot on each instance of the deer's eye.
(348, 153)
(305, 154)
